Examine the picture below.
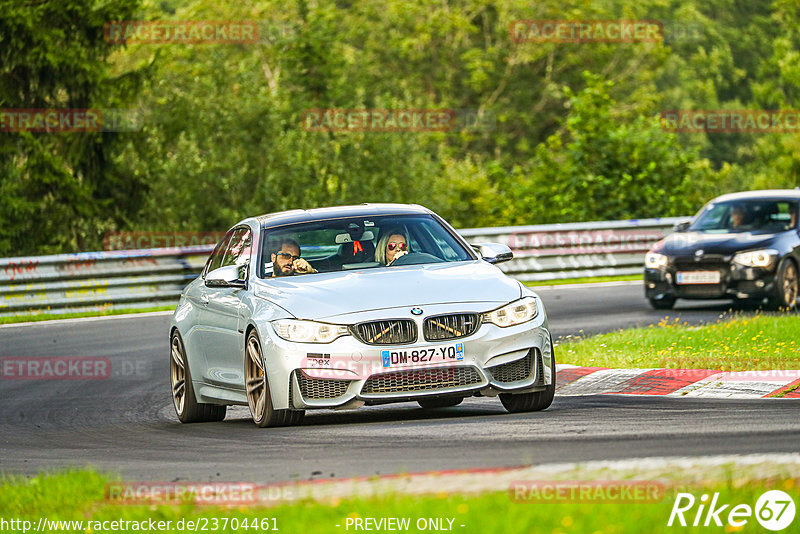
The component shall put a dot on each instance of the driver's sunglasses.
(287, 256)
(401, 246)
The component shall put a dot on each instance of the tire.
(184, 401)
(786, 287)
(664, 303)
(259, 399)
(439, 402)
(532, 402)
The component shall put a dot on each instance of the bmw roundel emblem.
(416, 311)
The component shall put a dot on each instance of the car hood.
(724, 244)
(329, 294)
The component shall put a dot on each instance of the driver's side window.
(215, 260)
(238, 250)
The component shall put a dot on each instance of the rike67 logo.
(774, 510)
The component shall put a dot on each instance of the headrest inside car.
(357, 251)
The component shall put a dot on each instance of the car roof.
(772, 194)
(336, 212)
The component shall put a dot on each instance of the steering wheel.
(416, 258)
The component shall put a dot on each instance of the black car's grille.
(450, 326)
(700, 290)
(706, 263)
(516, 370)
(421, 380)
(709, 262)
(388, 332)
(321, 388)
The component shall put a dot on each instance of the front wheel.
(664, 303)
(258, 397)
(183, 399)
(536, 401)
(786, 287)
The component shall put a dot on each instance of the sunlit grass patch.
(37, 317)
(79, 497)
(760, 342)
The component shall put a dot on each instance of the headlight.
(756, 258)
(654, 260)
(308, 331)
(517, 312)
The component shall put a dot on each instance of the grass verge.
(585, 280)
(79, 496)
(97, 313)
(760, 342)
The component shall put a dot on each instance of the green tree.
(59, 191)
(602, 168)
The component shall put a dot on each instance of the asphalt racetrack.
(126, 423)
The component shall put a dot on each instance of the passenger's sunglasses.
(401, 246)
(287, 256)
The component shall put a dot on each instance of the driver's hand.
(401, 253)
(301, 266)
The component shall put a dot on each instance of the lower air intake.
(517, 370)
(422, 380)
(321, 388)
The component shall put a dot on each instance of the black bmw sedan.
(742, 246)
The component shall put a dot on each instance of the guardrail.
(90, 281)
(120, 279)
(575, 250)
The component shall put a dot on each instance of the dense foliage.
(546, 132)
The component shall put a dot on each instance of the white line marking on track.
(588, 285)
(85, 319)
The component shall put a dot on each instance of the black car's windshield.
(357, 243)
(757, 216)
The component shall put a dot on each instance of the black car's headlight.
(308, 331)
(654, 260)
(757, 258)
(517, 312)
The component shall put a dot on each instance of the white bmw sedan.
(350, 306)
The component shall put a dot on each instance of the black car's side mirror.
(682, 226)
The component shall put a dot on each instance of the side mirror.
(682, 226)
(494, 252)
(227, 276)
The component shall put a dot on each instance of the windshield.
(385, 241)
(757, 216)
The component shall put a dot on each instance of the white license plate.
(452, 352)
(698, 277)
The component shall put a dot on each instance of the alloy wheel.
(177, 365)
(256, 379)
(790, 285)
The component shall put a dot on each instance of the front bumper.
(348, 373)
(736, 281)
